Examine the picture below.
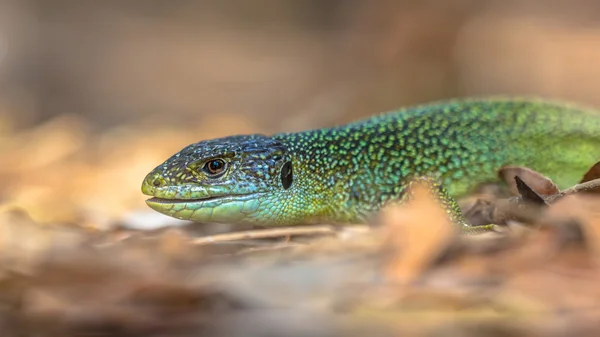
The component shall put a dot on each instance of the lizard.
(344, 173)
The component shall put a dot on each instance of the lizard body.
(344, 173)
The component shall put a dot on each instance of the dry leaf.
(585, 211)
(535, 180)
(417, 233)
(592, 173)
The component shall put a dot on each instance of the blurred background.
(94, 94)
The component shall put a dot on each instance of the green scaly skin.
(343, 174)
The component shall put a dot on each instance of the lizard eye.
(214, 167)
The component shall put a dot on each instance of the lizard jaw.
(218, 209)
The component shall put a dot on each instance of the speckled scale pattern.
(354, 169)
(342, 174)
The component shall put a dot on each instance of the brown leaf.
(24, 242)
(592, 174)
(528, 193)
(585, 211)
(417, 233)
(541, 184)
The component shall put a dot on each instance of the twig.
(588, 186)
(265, 233)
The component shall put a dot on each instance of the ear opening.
(287, 175)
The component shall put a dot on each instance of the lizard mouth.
(163, 201)
(181, 201)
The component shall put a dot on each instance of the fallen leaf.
(585, 211)
(541, 184)
(417, 233)
(592, 174)
(528, 194)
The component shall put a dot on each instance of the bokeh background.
(94, 94)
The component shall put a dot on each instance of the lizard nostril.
(158, 182)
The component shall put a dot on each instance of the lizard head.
(232, 179)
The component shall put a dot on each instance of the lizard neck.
(345, 173)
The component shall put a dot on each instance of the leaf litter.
(71, 264)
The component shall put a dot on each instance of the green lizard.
(345, 173)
